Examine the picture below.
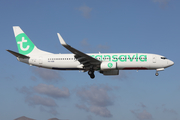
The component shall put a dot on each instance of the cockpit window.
(163, 58)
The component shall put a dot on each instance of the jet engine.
(108, 66)
(110, 72)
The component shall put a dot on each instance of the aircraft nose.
(170, 63)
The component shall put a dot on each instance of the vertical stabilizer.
(24, 44)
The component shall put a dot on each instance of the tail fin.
(24, 44)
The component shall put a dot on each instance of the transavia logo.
(110, 65)
(25, 46)
(121, 57)
(21, 45)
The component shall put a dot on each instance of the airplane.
(104, 63)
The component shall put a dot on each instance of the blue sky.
(145, 26)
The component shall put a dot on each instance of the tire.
(90, 72)
(156, 74)
(92, 76)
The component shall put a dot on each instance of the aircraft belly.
(63, 65)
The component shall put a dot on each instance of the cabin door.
(154, 59)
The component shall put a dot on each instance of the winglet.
(61, 39)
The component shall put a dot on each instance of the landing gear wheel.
(91, 73)
(157, 74)
(92, 76)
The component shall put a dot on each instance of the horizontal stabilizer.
(17, 54)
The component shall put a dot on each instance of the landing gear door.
(154, 59)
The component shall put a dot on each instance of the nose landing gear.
(156, 73)
(159, 69)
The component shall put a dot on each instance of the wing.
(87, 61)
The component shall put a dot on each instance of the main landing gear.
(91, 73)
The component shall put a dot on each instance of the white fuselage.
(124, 61)
(105, 63)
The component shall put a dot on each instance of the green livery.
(24, 44)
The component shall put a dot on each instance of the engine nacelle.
(110, 72)
(108, 65)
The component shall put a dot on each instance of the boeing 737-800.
(105, 63)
